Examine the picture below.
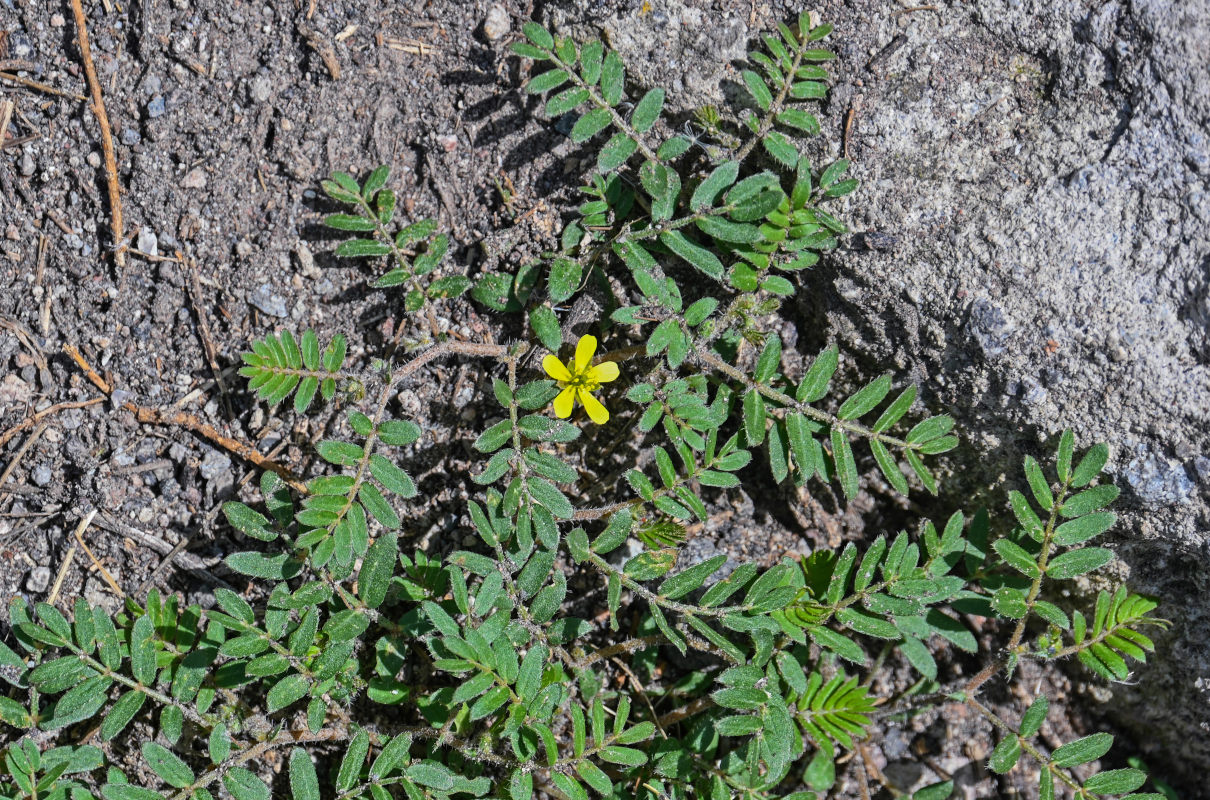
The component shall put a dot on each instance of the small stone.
(448, 142)
(20, 45)
(42, 475)
(27, 165)
(194, 179)
(57, 21)
(152, 84)
(129, 136)
(497, 23)
(94, 160)
(156, 107)
(148, 242)
(38, 580)
(1157, 481)
(215, 466)
(261, 89)
(267, 301)
(14, 392)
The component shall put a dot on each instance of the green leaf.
(166, 764)
(551, 79)
(1090, 465)
(846, 466)
(538, 35)
(782, 149)
(362, 248)
(564, 279)
(615, 153)
(721, 178)
(244, 785)
(814, 385)
(377, 569)
(304, 783)
(613, 76)
(121, 713)
(699, 257)
(840, 645)
(1084, 528)
(647, 110)
(1115, 781)
(864, 400)
(392, 477)
(758, 89)
(1077, 562)
(690, 579)
(1081, 751)
(248, 522)
(350, 766)
(350, 222)
(1034, 716)
(1005, 756)
(1067, 444)
(142, 651)
(286, 691)
(432, 774)
(626, 756)
(259, 565)
(1017, 558)
(1089, 500)
(590, 124)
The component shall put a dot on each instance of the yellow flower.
(579, 379)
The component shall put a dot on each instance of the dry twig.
(98, 110)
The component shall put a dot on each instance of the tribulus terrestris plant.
(359, 667)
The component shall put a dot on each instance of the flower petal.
(564, 403)
(555, 368)
(597, 412)
(585, 349)
(604, 372)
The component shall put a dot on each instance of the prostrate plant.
(386, 673)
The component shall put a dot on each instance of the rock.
(194, 179)
(42, 475)
(28, 167)
(156, 107)
(20, 46)
(261, 88)
(38, 580)
(129, 136)
(1157, 481)
(148, 243)
(264, 298)
(497, 23)
(94, 161)
(14, 392)
(216, 467)
(990, 327)
(57, 21)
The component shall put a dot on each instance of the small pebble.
(194, 179)
(267, 301)
(156, 107)
(129, 136)
(27, 164)
(57, 21)
(148, 243)
(497, 23)
(215, 465)
(42, 475)
(448, 142)
(38, 580)
(261, 89)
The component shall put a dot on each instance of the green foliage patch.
(574, 651)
